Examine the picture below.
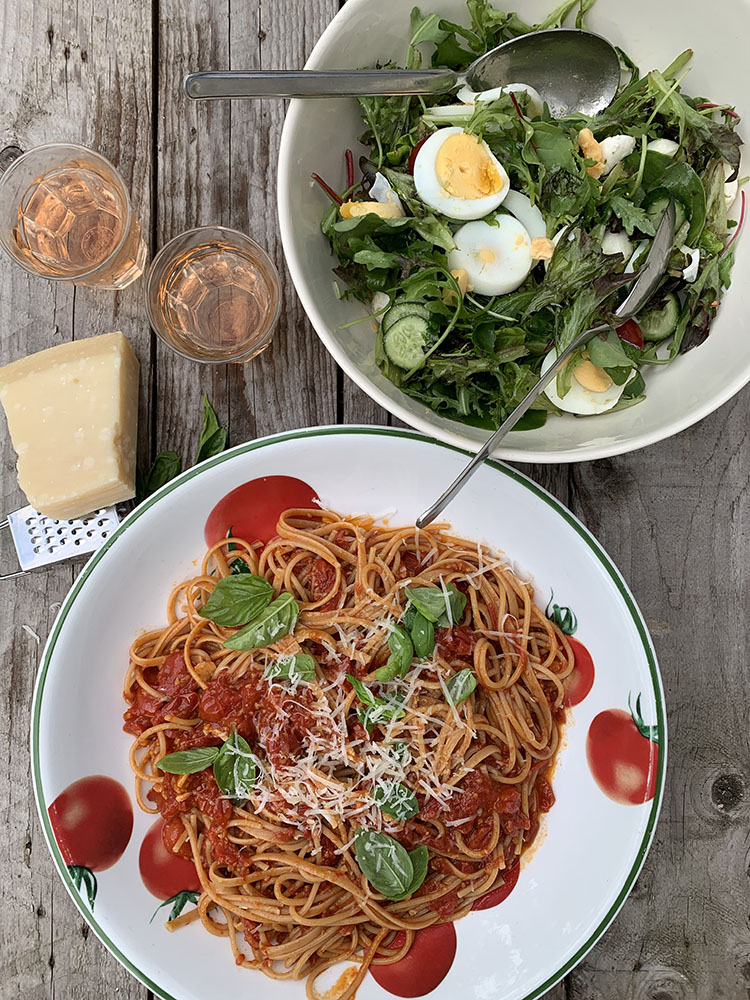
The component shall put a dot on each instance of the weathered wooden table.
(676, 517)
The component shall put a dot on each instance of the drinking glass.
(65, 214)
(212, 295)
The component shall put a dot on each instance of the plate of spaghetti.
(284, 741)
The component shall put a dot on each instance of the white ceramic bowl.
(316, 133)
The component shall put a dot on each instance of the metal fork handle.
(233, 84)
(507, 425)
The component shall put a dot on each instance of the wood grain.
(675, 517)
(83, 74)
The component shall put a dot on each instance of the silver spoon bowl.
(573, 70)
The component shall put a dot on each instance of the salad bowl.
(316, 134)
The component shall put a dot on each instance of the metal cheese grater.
(41, 540)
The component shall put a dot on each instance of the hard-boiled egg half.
(457, 174)
(496, 257)
(591, 388)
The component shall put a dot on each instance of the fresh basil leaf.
(164, 468)
(272, 624)
(429, 601)
(239, 566)
(299, 667)
(384, 862)
(402, 654)
(457, 603)
(235, 768)
(396, 799)
(213, 439)
(188, 761)
(419, 858)
(408, 617)
(400, 752)
(362, 691)
(237, 600)
(423, 636)
(460, 685)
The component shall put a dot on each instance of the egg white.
(432, 193)
(510, 244)
(578, 399)
(535, 105)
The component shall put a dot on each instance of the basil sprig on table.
(374, 710)
(233, 762)
(396, 799)
(237, 600)
(402, 653)
(460, 685)
(273, 623)
(390, 869)
(298, 667)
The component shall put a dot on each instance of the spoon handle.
(429, 515)
(308, 83)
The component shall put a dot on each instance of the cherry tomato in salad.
(630, 332)
(496, 896)
(92, 820)
(424, 966)
(623, 755)
(579, 682)
(252, 510)
(413, 154)
(165, 874)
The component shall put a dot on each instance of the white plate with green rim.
(608, 782)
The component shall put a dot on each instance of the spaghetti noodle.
(279, 868)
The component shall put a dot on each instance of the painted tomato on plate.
(580, 681)
(252, 510)
(424, 966)
(623, 755)
(165, 874)
(92, 820)
(496, 896)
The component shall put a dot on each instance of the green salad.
(483, 235)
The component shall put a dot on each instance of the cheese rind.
(72, 413)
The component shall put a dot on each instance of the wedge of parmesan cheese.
(72, 413)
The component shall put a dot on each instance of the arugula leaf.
(297, 667)
(608, 352)
(237, 599)
(235, 768)
(632, 216)
(273, 623)
(460, 685)
(188, 761)
(396, 799)
(213, 439)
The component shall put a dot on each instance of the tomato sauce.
(457, 643)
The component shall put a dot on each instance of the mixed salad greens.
(472, 356)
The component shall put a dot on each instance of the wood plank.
(78, 73)
(676, 519)
(217, 164)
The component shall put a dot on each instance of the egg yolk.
(465, 169)
(591, 377)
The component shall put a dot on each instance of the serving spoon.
(642, 290)
(572, 69)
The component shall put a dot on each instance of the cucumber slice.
(404, 340)
(400, 309)
(659, 323)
